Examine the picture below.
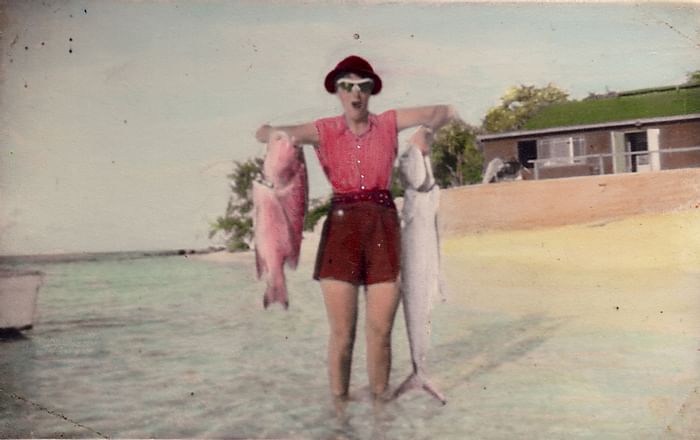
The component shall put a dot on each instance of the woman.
(360, 243)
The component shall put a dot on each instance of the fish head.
(282, 158)
(422, 138)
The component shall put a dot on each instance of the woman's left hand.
(422, 139)
(434, 116)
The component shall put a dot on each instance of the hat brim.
(329, 83)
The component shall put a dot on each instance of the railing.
(596, 160)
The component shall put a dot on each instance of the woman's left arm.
(434, 116)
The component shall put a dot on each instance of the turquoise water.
(169, 347)
(172, 347)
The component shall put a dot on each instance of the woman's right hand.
(303, 133)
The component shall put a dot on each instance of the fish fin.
(415, 380)
(294, 235)
(293, 260)
(260, 265)
(293, 257)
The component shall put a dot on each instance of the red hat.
(353, 64)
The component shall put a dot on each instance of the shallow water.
(169, 347)
(173, 347)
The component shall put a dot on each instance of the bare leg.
(341, 308)
(382, 301)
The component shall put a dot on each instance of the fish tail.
(276, 292)
(416, 380)
(408, 384)
(433, 391)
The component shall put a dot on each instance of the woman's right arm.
(302, 134)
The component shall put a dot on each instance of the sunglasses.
(365, 85)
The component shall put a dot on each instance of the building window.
(527, 151)
(560, 151)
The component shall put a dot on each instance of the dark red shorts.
(360, 241)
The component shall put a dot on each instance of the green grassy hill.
(648, 103)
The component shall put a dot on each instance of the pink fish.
(280, 205)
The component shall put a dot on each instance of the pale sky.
(125, 143)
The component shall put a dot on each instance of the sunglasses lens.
(367, 86)
(344, 86)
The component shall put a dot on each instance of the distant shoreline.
(102, 256)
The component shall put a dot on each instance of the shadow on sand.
(486, 347)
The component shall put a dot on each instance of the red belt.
(379, 196)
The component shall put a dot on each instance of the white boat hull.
(18, 298)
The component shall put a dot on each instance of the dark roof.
(634, 104)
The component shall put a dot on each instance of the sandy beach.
(640, 272)
(607, 312)
(597, 300)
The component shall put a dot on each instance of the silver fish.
(420, 264)
(280, 205)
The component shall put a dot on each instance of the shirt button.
(362, 187)
(358, 160)
(358, 146)
(362, 176)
